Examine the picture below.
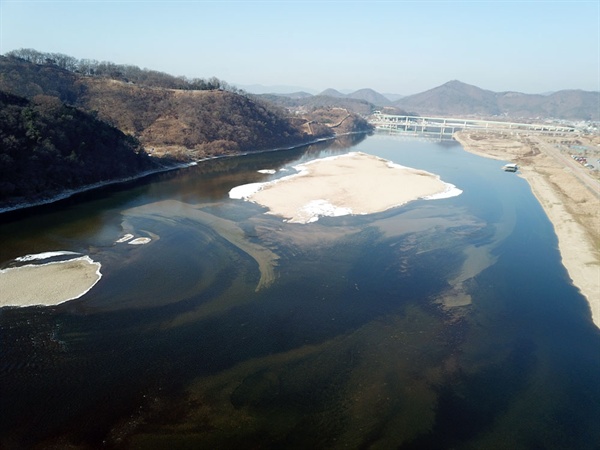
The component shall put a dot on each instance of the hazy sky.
(401, 47)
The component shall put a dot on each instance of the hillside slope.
(319, 102)
(47, 147)
(182, 122)
(189, 124)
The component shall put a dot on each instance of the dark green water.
(441, 324)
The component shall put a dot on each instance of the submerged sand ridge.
(354, 183)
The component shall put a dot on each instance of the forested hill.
(190, 124)
(174, 121)
(47, 147)
(173, 116)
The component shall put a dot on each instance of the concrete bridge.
(446, 126)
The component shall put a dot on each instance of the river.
(444, 323)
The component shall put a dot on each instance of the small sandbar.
(48, 284)
(267, 171)
(139, 241)
(354, 183)
(125, 238)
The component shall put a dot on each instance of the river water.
(441, 324)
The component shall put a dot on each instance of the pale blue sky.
(401, 47)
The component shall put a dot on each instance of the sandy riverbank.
(566, 191)
(354, 183)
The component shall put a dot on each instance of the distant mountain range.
(455, 98)
(368, 95)
(278, 89)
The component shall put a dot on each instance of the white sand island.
(47, 284)
(354, 183)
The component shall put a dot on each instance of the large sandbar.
(48, 284)
(354, 183)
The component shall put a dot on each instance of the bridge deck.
(447, 125)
